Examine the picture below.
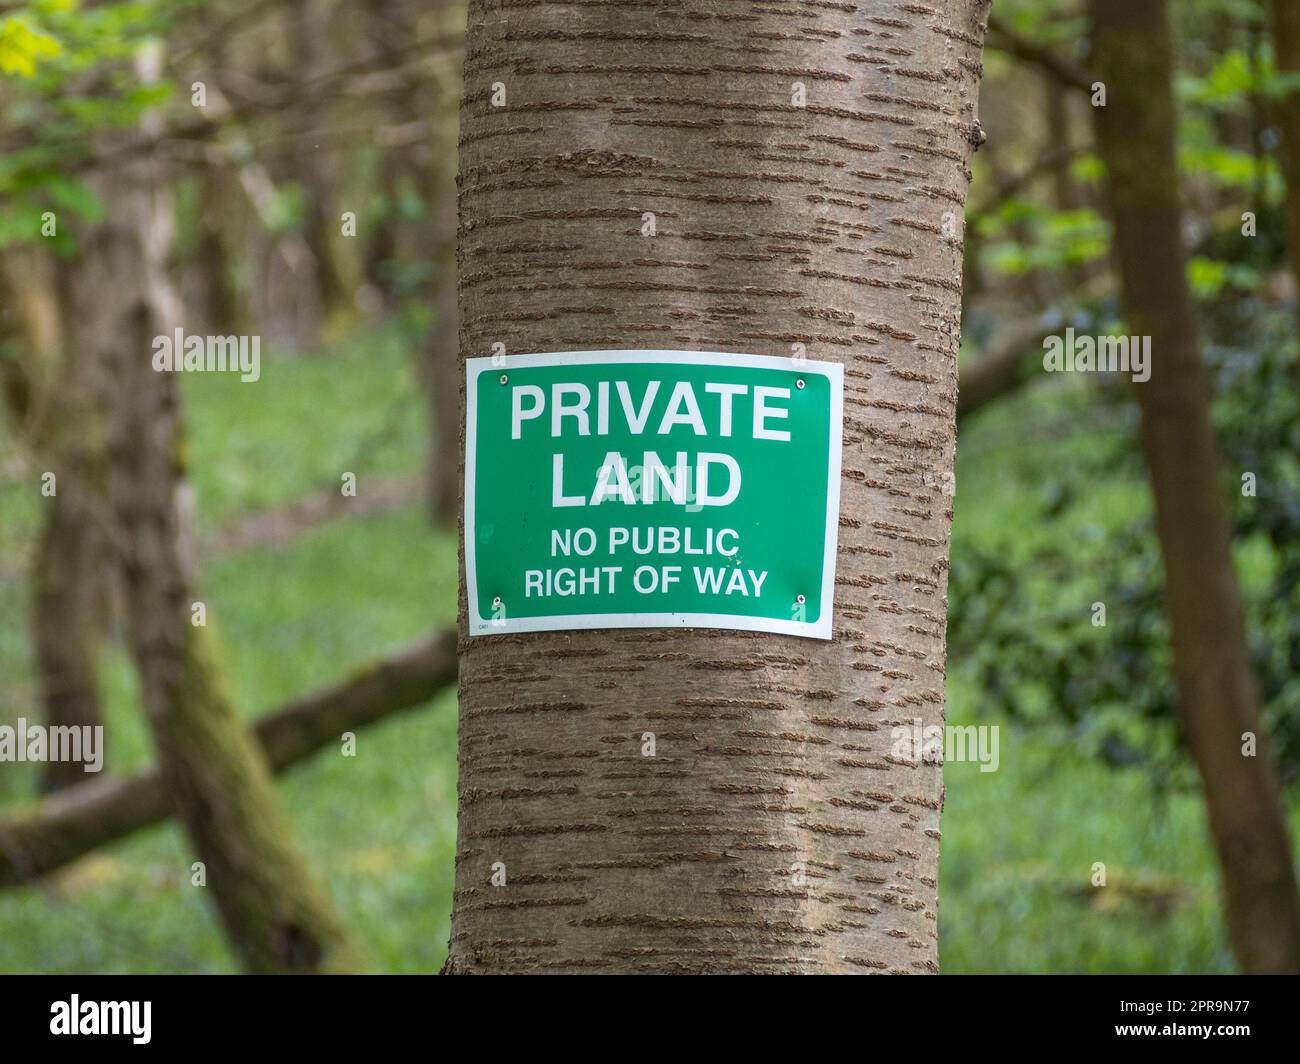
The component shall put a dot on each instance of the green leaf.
(74, 196)
(23, 48)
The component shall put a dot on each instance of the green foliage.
(73, 78)
(1210, 277)
(23, 48)
(1226, 167)
(1023, 236)
(1228, 86)
(1080, 531)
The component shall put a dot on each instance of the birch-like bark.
(776, 830)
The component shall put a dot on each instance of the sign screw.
(496, 601)
(799, 384)
(504, 378)
(800, 599)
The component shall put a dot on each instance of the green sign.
(651, 489)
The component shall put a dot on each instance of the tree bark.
(216, 777)
(223, 309)
(217, 242)
(69, 601)
(31, 333)
(316, 166)
(1065, 190)
(1136, 134)
(100, 811)
(827, 225)
(391, 25)
(68, 572)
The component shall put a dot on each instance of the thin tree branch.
(1005, 39)
(1008, 365)
(84, 817)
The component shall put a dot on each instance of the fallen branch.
(84, 817)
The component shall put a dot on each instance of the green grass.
(1019, 848)
(305, 423)
(1019, 844)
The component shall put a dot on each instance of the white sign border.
(819, 629)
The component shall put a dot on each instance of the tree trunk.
(217, 778)
(68, 601)
(31, 333)
(1136, 135)
(774, 831)
(1059, 100)
(390, 26)
(216, 255)
(1286, 46)
(223, 309)
(316, 162)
